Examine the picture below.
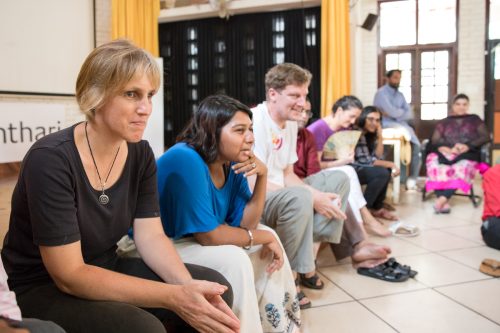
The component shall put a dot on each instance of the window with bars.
(494, 20)
(192, 68)
(278, 40)
(208, 56)
(310, 22)
(419, 38)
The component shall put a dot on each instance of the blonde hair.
(286, 74)
(108, 69)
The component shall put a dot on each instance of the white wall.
(364, 52)
(44, 44)
(471, 61)
(66, 108)
(47, 41)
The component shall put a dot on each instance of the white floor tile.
(428, 311)
(481, 296)
(342, 318)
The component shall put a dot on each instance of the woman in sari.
(208, 208)
(454, 156)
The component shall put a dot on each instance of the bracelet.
(250, 235)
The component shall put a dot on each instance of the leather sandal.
(384, 273)
(301, 296)
(399, 268)
(311, 282)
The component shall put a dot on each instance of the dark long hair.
(371, 138)
(203, 130)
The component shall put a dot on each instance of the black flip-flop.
(384, 273)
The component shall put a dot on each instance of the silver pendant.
(103, 199)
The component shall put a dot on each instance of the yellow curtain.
(136, 20)
(335, 53)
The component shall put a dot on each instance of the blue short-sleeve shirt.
(189, 201)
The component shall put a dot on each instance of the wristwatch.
(250, 235)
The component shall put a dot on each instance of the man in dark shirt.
(308, 163)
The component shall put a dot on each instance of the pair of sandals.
(391, 271)
(308, 282)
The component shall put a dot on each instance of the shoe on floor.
(411, 184)
(402, 229)
(442, 210)
(490, 267)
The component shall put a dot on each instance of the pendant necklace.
(103, 198)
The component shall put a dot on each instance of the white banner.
(21, 124)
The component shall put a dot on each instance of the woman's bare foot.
(376, 229)
(440, 202)
(364, 251)
(441, 205)
(372, 225)
(384, 214)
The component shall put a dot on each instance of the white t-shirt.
(274, 146)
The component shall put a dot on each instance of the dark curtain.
(231, 56)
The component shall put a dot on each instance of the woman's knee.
(79, 315)
(381, 174)
(124, 318)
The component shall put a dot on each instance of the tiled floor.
(449, 294)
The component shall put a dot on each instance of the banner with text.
(21, 124)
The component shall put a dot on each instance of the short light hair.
(286, 74)
(108, 69)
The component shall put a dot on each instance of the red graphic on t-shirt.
(277, 141)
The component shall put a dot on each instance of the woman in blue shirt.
(208, 208)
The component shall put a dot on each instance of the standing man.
(397, 114)
(323, 196)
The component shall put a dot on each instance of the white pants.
(262, 302)
(356, 198)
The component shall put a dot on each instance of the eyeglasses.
(373, 120)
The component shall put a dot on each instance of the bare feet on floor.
(368, 254)
(384, 214)
(372, 225)
(376, 228)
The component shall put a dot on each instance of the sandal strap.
(311, 282)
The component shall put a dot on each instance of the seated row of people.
(226, 194)
(79, 191)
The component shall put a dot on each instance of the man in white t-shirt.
(317, 204)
